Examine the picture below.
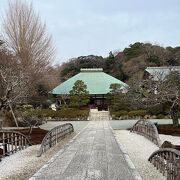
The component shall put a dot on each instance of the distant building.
(97, 82)
(159, 73)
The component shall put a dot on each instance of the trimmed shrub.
(41, 101)
(159, 109)
(140, 112)
(117, 115)
(160, 116)
(63, 113)
(120, 113)
(155, 110)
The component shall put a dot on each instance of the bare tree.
(27, 37)
(156, 54)
(13, 82)
(149, 92)
(169, 91)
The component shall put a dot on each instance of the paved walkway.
(93, 154)
(96, 115)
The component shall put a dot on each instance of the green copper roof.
(96, 80)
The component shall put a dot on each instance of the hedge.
(140, 112)
(64, 113)
(120, 113)
(130, 114)
(160, 116)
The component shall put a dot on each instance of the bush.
(126, 114)
(160, 116)
(120, 113)
(155, 110)
(140, 112)
(159, 109)
(41, 101)
(178, 113)
(63, 113)
(8, 120)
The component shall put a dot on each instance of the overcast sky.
(84, 27)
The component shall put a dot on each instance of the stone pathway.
(96, 115)
(93, 154)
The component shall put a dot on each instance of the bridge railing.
(11, 142)
(147, 129)
(167, 161)
(54, 136)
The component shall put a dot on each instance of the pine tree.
(79, 96)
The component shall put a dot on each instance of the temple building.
(159, 73)
(97, 82)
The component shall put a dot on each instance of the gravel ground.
(139, 150)
(173, 139)
(78, 125)
(24, 164)
(115, 124)
(128, 123)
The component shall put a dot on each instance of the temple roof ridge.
(91, 69)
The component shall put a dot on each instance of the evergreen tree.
(113, 96)
(111, 55)
(117, 99)
(79, 96)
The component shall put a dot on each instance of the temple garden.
(145, 125)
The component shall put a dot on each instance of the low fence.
(147, 129)
(11, 142)
(167, 161)
(54, 136)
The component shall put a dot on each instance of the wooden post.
(178, 170)
(4, 145)
(50, 140)
(1, 121)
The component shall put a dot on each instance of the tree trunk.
(1, 123)
(175, 120)
(174, 115)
